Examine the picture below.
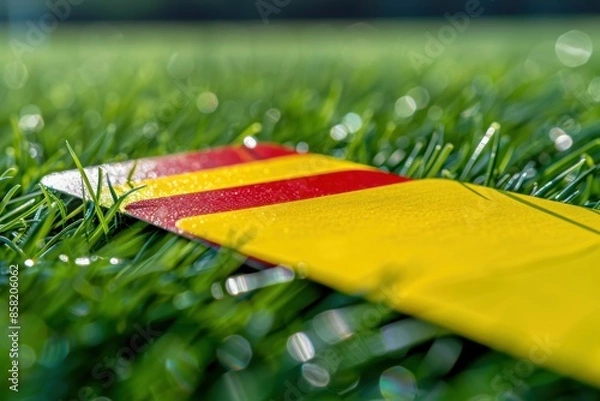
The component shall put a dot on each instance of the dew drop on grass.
(339, 132)
(352, 122)
(273, 114)
(574, 48)
(207, 102)
(250, 142)
(35, 151)
(555, 133)
(315, 375)
(31, 123)
(405, 107)
(243, 283)
(83, 261)
(380, 158)
(396, 157)
(80, 309)
(217, 291)
(235, 353)
(398, 384)
(150, 129)
(30, 119)
(332, 326)
(302, 147)
(563, 142)
(300, 347)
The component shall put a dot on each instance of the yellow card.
(514, 272)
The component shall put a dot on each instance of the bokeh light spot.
(398, 384)
(235, 353)
(300, 347)
(405, 107)
(207, 102)
(574, 48)
(339, 132)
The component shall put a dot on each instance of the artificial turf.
(91, 282)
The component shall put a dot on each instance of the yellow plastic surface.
(514, 272)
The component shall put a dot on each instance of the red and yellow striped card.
(516, 273)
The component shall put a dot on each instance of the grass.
(110, 307)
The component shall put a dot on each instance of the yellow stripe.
(255, 172)
(507, 270)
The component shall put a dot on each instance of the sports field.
(112, 307)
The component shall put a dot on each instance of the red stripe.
(165, 212)
(211, 158)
